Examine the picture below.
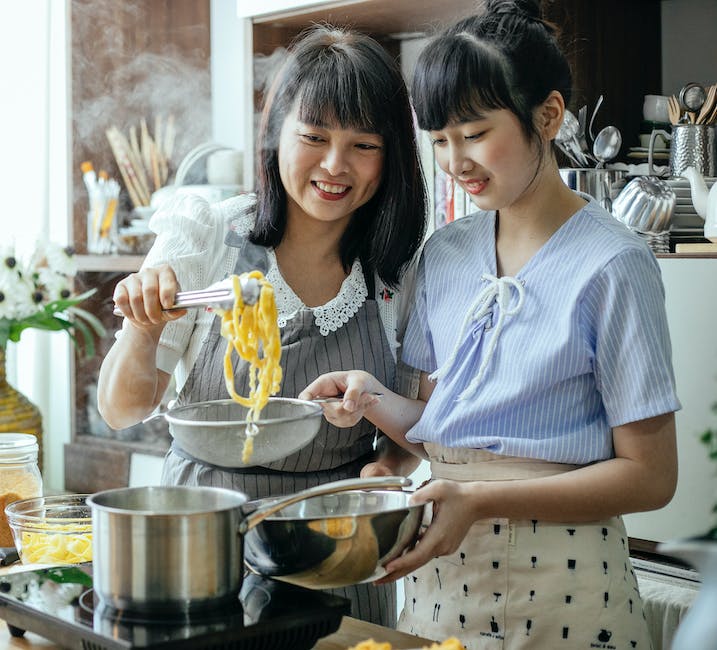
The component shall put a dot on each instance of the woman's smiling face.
(328, 172)
(491, 158)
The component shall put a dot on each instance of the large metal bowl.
(334, 540)
(214, 431)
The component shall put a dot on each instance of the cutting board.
(696, 248)
(352, 631)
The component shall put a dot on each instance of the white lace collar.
(329, 317)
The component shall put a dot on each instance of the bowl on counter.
(52, 529)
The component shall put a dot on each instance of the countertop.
(351, 632)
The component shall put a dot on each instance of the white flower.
(58, 258)
(17, 289)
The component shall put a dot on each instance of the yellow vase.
(17, 413)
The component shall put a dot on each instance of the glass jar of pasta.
(20, 476)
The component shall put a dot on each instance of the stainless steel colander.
(214, 431)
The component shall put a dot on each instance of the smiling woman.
(338, 215)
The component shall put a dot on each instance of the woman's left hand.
(449, 526)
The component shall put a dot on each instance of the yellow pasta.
(252, 331)
(61, 544)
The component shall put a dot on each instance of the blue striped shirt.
(588, 349)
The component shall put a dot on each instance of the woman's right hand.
(357, 387)
(142, 296)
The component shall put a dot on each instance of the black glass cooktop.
(59, 604)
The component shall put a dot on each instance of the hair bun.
(529, 9)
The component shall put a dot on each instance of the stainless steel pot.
(602, 184)
(160, 549)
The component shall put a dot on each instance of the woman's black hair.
(505, 57)
(345, 79)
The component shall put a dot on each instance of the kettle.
(705, 201)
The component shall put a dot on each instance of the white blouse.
(190, 238)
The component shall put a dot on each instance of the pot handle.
(257, 514)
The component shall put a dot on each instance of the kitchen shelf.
(108, 263)
(139, 50)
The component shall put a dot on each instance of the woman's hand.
(356, 387)
(142, 296)
(452, 518)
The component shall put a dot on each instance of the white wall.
(692, 314)
(689, 43)
(34, 170)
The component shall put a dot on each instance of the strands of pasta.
(252, 331)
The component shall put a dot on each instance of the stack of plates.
(642, 153)
(685, 218)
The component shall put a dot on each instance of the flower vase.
(17, 413)
(699, 627)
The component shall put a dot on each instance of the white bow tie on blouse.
(500, 291)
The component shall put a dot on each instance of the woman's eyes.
(368, 146)
(309, 137)
(312, 138)
(438, 141)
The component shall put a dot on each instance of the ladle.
(607, 144)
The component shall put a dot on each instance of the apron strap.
(251, 256)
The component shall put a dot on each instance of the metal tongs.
(219, 295)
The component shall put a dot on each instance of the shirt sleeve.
(188, 235)
(417, 350)
(630, 338)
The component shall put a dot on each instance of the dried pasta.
(252, 331)
(61, 544)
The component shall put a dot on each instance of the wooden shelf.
(379, 17)
(108, 263)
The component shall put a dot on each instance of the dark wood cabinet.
(613, 46)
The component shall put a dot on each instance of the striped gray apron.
(335, 453)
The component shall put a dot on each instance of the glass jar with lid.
(20, 476)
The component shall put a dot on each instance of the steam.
(147, 84)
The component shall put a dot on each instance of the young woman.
(547, 393)
(338, 215)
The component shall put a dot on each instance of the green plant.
(709, 439)
(37, 293)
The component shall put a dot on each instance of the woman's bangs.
(333, 98)
(459, 81)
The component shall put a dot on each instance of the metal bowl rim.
(297, 519)
(170, 415)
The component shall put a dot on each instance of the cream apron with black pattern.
(335, 453)
(518, 585)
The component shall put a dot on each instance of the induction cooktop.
(59, 604)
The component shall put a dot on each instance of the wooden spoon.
(708, 106)
(673, 109)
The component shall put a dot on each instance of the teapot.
(705, 201)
